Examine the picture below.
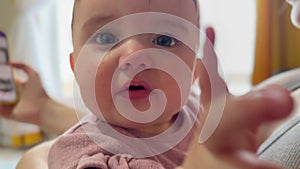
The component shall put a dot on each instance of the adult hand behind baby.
(32, 98)
(234, 141)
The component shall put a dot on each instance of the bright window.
(65, 9)
(234, 22)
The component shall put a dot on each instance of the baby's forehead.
(186, 9)
(182, 6)
(90, 15)
(151, 1)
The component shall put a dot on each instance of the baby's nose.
(136, 61)
(132, 55)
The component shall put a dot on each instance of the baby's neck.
(155, 129)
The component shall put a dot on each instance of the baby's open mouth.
(139, 87)
(138, 90)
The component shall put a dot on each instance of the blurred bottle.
(13, 134)
(19, 135)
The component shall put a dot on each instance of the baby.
(135, 75)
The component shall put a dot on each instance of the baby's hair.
(76, 1)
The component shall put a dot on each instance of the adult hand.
(32, 98)
(36, 107)
(231, 142)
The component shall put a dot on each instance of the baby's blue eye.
(106, 38)
(165, 41)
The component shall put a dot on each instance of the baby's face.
(90, 15)
(295, 14)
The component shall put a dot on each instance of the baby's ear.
(72, 61)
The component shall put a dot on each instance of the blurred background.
(254, 40)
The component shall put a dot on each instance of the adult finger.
(244, 114)
(27, 69)
(33, 80)
(266, 104)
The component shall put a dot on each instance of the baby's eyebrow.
(97, 20)
(174, 24)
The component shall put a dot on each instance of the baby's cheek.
(103, 88)
(174, 100)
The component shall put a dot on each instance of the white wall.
(235, 24)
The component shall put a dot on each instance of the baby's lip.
(140, 83)
(135, 83)
(136, 90)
